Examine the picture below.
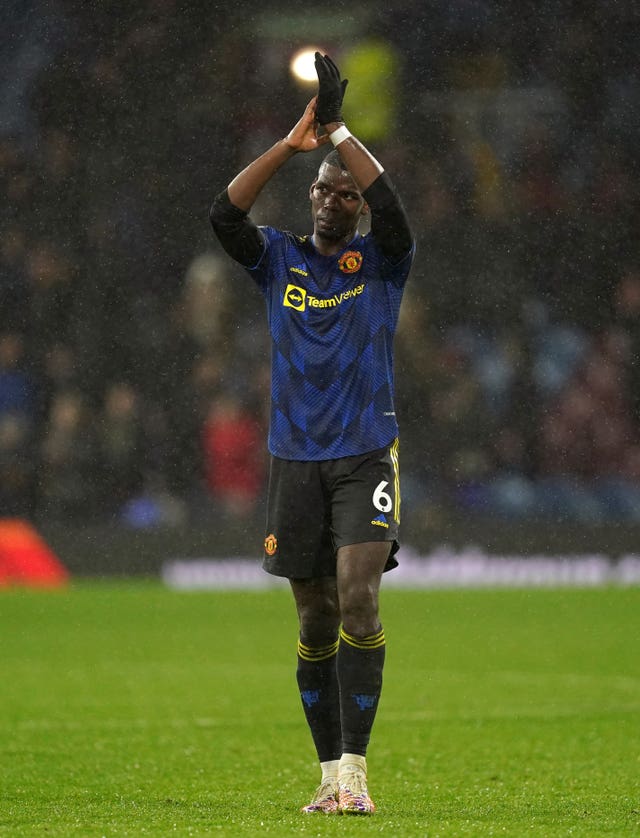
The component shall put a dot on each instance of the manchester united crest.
(270, 544)
(350, 261)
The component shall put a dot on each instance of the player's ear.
(365, 209)
(311, 188)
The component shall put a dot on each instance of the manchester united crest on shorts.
(270, 544)
(350, 262)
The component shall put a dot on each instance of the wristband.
(340, 134)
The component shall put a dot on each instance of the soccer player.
(334, 503)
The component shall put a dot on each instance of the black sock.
(360, 664)
(318, 684)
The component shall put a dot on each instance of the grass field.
(128, 709)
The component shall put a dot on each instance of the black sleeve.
(236, 232)
(389, 222)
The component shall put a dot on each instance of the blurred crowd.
(134, 356)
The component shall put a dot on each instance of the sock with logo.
(318, 684)
(350, 761)
(360, 664)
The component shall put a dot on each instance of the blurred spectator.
(627, 311)
(234, 459)
(14, 294)
(58, 373)
(16, 465)
(18, 429)
(460, 426)
(68, 476)
(588, 429)
(17, 392)
(51, 288)
(207, 304)
(121, 446)
(537, 181)
(588, 439)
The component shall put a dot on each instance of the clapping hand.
(303, 136)
(330, 90)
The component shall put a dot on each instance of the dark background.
(134, 357)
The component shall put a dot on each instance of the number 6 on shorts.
(381, 499)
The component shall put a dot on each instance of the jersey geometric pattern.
(332, 330)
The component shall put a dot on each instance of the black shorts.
(316, 507)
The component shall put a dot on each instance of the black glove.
(330, 90)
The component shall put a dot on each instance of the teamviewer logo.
(294, 297)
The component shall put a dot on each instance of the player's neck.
(329, 247)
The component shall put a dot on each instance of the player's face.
(336, 205)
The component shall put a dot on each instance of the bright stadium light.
(302, 65)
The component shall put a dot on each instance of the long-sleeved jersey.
(332, 321)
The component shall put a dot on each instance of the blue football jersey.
(332, 321)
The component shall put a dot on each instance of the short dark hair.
(334, 159)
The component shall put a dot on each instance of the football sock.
(359, 665)
(350, 760)
(318, 685)
(330, 769)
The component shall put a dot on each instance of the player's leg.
(360, 663)
(319, 616)
(299, 547)
(365, 494)
(361, 650)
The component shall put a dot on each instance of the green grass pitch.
(129, 709)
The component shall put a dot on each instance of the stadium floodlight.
(302, 65)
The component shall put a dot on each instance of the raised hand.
(330, 90)
(303, 136)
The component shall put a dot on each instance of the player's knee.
(360, 614)
(319, 623)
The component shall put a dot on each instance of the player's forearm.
(362, 165)
(249, 183)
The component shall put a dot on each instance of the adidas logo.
(380, 521)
